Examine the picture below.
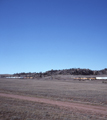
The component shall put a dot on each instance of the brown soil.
(78, 106)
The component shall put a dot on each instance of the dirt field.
(87, 92)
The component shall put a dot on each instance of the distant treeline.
(72, 71)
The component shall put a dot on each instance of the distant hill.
(73, 71)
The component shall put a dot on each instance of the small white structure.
(99, 78)
(15, 77)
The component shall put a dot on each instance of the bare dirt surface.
(78, 106)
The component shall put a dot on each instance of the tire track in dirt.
(78, 106)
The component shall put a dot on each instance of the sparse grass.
(94, 92)
(12, 109)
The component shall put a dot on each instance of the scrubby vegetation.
(73, 71)
(12, 109)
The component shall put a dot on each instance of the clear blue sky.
(40, 35)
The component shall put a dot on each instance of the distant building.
(101, 78)
(90, 78)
